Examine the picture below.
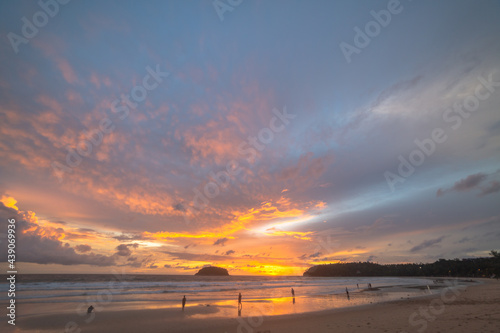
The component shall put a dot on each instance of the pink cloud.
(95, 80)
(67, 71)
(50, 103)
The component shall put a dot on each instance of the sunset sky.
(263, 136)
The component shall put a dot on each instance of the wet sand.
(471, 308)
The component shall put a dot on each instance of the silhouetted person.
(183, 302)
(293, 292)
(347, 292)
(240, 306)
(357, 285)
(89, 310)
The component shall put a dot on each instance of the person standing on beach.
(293, 293)
(183, 302)
(239, 305)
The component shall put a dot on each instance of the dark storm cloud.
(473, 182)
(466, 184)
(493, 187)
(221, 241)
(426, 244)
(128, 237)
(47, 251)
(469, 183)
(124, 251)
(83, 248)
(314, 255)
(35, 246)
(179, 207)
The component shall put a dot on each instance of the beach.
(471, 306)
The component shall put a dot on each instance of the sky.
(160, 137)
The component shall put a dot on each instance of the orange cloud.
(9, 202)
(268, 269)
(167, 234)
(354, 252)
(41, 231)
(50, 103)
(294, 234)
(133, 198)
(212, 141)
(240, 221)
(268, 211)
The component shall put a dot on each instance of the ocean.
(268, 295)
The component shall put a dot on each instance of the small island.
(212, 271)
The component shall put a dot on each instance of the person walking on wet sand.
(239, 299)
(347, 292)
(89, 310)
(293, 293)
(183, 302)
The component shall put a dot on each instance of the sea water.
(268, 295)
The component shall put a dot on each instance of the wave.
(75, 291)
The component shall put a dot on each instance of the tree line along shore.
(473, 267)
